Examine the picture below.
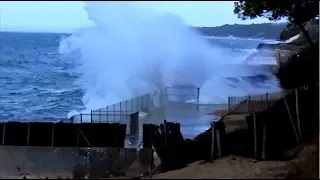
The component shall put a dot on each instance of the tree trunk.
(306, 34)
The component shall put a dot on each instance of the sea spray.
(131, 50)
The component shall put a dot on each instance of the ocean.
(38, 82)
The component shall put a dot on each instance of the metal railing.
(120, 112)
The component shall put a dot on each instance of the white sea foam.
(131, 51)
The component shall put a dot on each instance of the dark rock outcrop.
(301, 69)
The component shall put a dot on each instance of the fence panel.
(253, 103)
(144, 103)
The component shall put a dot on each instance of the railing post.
(166, 94)
(120, 113)
(229, 104)
(114, 111)
(131, 102)
(137, 98)
(147, 102)
(81, 118)
(107, 113)
(165, 132)
(127, 109)
(198, 98)
(91, 116)
(139, 102)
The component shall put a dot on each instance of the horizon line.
(69, 31)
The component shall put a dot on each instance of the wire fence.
(256, 102)
(121, 112)
(144, 103)
(171, 103)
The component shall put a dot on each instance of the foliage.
(297, 11)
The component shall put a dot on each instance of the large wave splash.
(131, 50)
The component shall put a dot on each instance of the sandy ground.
(304, 165)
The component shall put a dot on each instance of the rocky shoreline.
(292, 41)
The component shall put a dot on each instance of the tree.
(297, 12)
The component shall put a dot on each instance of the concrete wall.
(67, 162)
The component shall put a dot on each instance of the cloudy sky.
(65, 16)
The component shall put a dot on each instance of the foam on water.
(131, 50)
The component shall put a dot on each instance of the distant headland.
(263, 30)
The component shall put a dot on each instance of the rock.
(300, 69)
(282, 55)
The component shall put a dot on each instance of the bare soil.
(242, 108)
(303, 165)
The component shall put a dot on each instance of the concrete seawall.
(42, 162)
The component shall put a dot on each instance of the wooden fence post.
(264, 138)
(267, 99)
(218, 143)
(28, 136)
(212, 140)
(297, 112)
(248, 101)
(165, 132)
(289, 113)
(4, 133)
(255, 136)
(52, 133)
(229, 104)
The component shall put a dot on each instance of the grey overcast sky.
(66, 16)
